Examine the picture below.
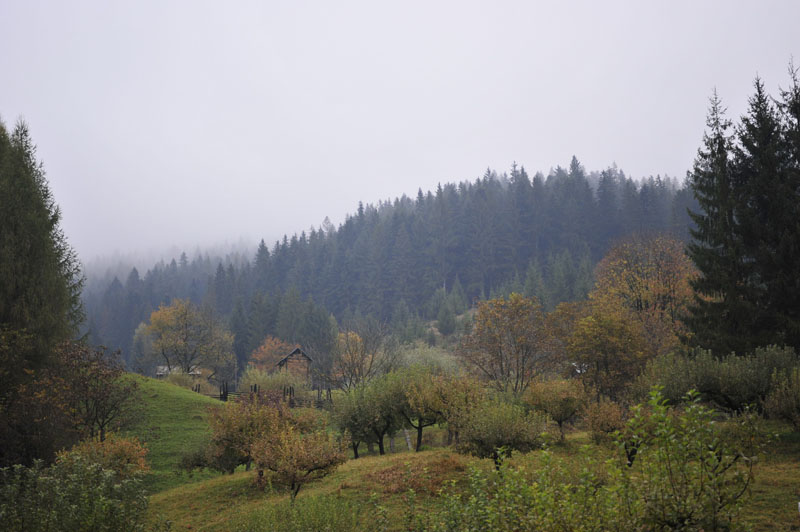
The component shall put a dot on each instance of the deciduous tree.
(508, 342)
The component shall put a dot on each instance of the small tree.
(415, 389)
(350, 414)
(495, 429)
(100, 397)
(562, 400)
(296, 457)
(237, 425)
(689, 476)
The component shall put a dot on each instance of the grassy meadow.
(372, 492)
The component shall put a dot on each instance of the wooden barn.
(297, 363)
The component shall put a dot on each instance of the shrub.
(603, 418)
(732, 382)
(687, 476)
(562, 400)
(70, 496)
(124, 456)
(552, 498)
(783, 402)
(494, 429)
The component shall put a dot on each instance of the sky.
(191, 123)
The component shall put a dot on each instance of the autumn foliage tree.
(562, 400)
(267, 355)
(362, 354)
(608, 350)
(185, 337)
(508, 344)
(649, 276)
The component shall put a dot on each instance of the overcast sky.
(193, 122)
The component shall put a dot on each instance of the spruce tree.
(40, 278)
(719, 310)
(746, 237)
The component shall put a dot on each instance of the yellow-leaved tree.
(186, 338)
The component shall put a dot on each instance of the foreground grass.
(173, 421)
(374, 490)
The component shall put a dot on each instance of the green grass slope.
(172, 422)
(231, 503)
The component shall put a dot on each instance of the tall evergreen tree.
(746, 242)
(40, 278)
(720, 308)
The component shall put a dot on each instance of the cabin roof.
(296, 352)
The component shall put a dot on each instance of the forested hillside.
(410, 259)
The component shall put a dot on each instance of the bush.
(70, 496)
(562, 400)
(783, 402)
(124, 456)
(494, 429)
(732, 382)
(603, 419)
(552, 499)
(687, 476)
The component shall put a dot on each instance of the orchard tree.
(508, 345)
(100, 397)
(415, 388)
(296, 458)
(562, 400)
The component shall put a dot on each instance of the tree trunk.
(419, 437)
(381, 450)
(355, 449)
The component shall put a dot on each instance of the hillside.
(172, 422)
(371, 492)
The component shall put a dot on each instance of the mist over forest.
(403, 261)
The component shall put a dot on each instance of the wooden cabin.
(297, 363)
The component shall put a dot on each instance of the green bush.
(783, 402)
(688, 475)
(552, 498)
(495, 428)
(70, 496)
(732, 382)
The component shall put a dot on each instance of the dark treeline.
(401, 261)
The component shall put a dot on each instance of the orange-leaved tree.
(267, 355)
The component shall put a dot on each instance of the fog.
(197, 123)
